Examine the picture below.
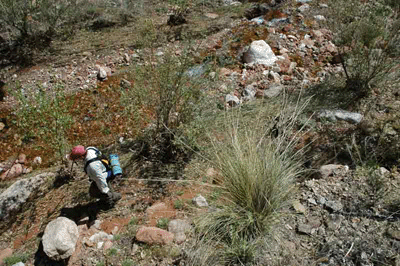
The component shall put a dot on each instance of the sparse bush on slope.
(368, 38)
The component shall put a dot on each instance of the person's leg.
(94, 191)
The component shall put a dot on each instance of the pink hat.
(77, 151)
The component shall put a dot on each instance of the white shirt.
(96, 169)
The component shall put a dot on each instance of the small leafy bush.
(45, 117)
(178, 204)
(112, 252)
(134, 220)
(162, 223)
(128, 262)
(16, 258)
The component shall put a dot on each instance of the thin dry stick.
(348, 252)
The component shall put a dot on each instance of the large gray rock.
(59, 239)
(18, 193)
(353, 118)
(260, 53)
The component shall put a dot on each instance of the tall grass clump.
(258, 168)
(367, 34)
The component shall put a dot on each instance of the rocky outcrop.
(17, 194)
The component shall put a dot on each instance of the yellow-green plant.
(45, 116)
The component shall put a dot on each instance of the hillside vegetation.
(293, 144)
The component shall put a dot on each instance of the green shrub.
(15, 259)
(368, 38)
(162, 223)
(128, 262)
(112, 252)
(45, 116)
(178, 204)
(134, 220)
(39, 20)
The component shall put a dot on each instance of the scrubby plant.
(367, 35)
(162, 223)
(178, 204)
(134, 221)
(38, 20)
(128, 262)
(45, 116)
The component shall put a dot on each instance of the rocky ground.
(341, 214)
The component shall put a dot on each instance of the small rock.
(16, 170)
(97, 224)
(259, 53)
(21, 158)
(2, 126)
(298, 207)
(100, 236)
(334, 221)
(107, 245)
(334, 205)
(232, 100)
(200, 201)
(304, 229)
(333, 170)
(212, 15)
(158, 207)
(383, 172)
(303, 8)
(312, 201)
(154, 235)
(127, 58)
(319, 18)
(273, 91)
(19, 264)
(249, 92)
(101, 74)
(125, 84)
(179, 228)
(395, 234)
(115, 230)
(37, 160)
(275, 77)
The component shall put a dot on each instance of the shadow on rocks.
(41, 259)
(79, 213)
